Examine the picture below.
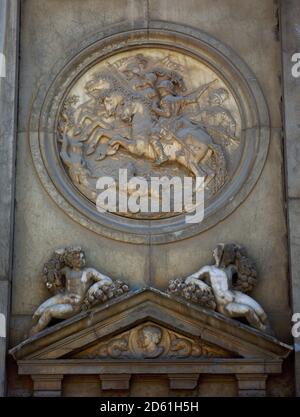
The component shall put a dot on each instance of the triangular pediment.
(149, 340)
(149, 324)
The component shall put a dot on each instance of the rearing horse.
(191, 146)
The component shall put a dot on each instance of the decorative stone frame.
(224, 62)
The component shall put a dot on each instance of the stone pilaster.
(9, 40)
(112, 383)
(47, 385)
(290, 36)
(251, 385)
(183, 383)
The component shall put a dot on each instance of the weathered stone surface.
(251, 152)
(81, 386)
(249, 29)
(143, 305)
(217, 386)
(290, 11)
(250, 385)
(9, 38)
(67, 24)
(42, 227)
(8, 96)
(259, 221)
(73, 347)
(4, 300)
(149, 386)
(52, 29)
(294, 226)
(47, 385)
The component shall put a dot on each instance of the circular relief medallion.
(149, 341)
(138, 125)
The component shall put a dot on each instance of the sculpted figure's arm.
(101, 287)
(91, 274)
(197, 277)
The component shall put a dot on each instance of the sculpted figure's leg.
(245, 299)
(159, 150)
(58, 311)
(243, 310)
(56, 299)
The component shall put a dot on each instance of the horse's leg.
(196, 170)
(200, 172)
(95, 138)
(209, 174)
(121, 140)
(85, 132)
(202, 165)
(205, 167)
(89, 130)
(104, 149)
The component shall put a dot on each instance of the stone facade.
(248, 41)
(209, 345)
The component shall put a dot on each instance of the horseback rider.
(168, 111)
(165, 88)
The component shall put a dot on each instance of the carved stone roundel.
(155, 103)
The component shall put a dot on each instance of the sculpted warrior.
(76, 287)
(218, 278)
(170, 114)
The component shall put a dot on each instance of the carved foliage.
(192, 293)
(150, 341)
